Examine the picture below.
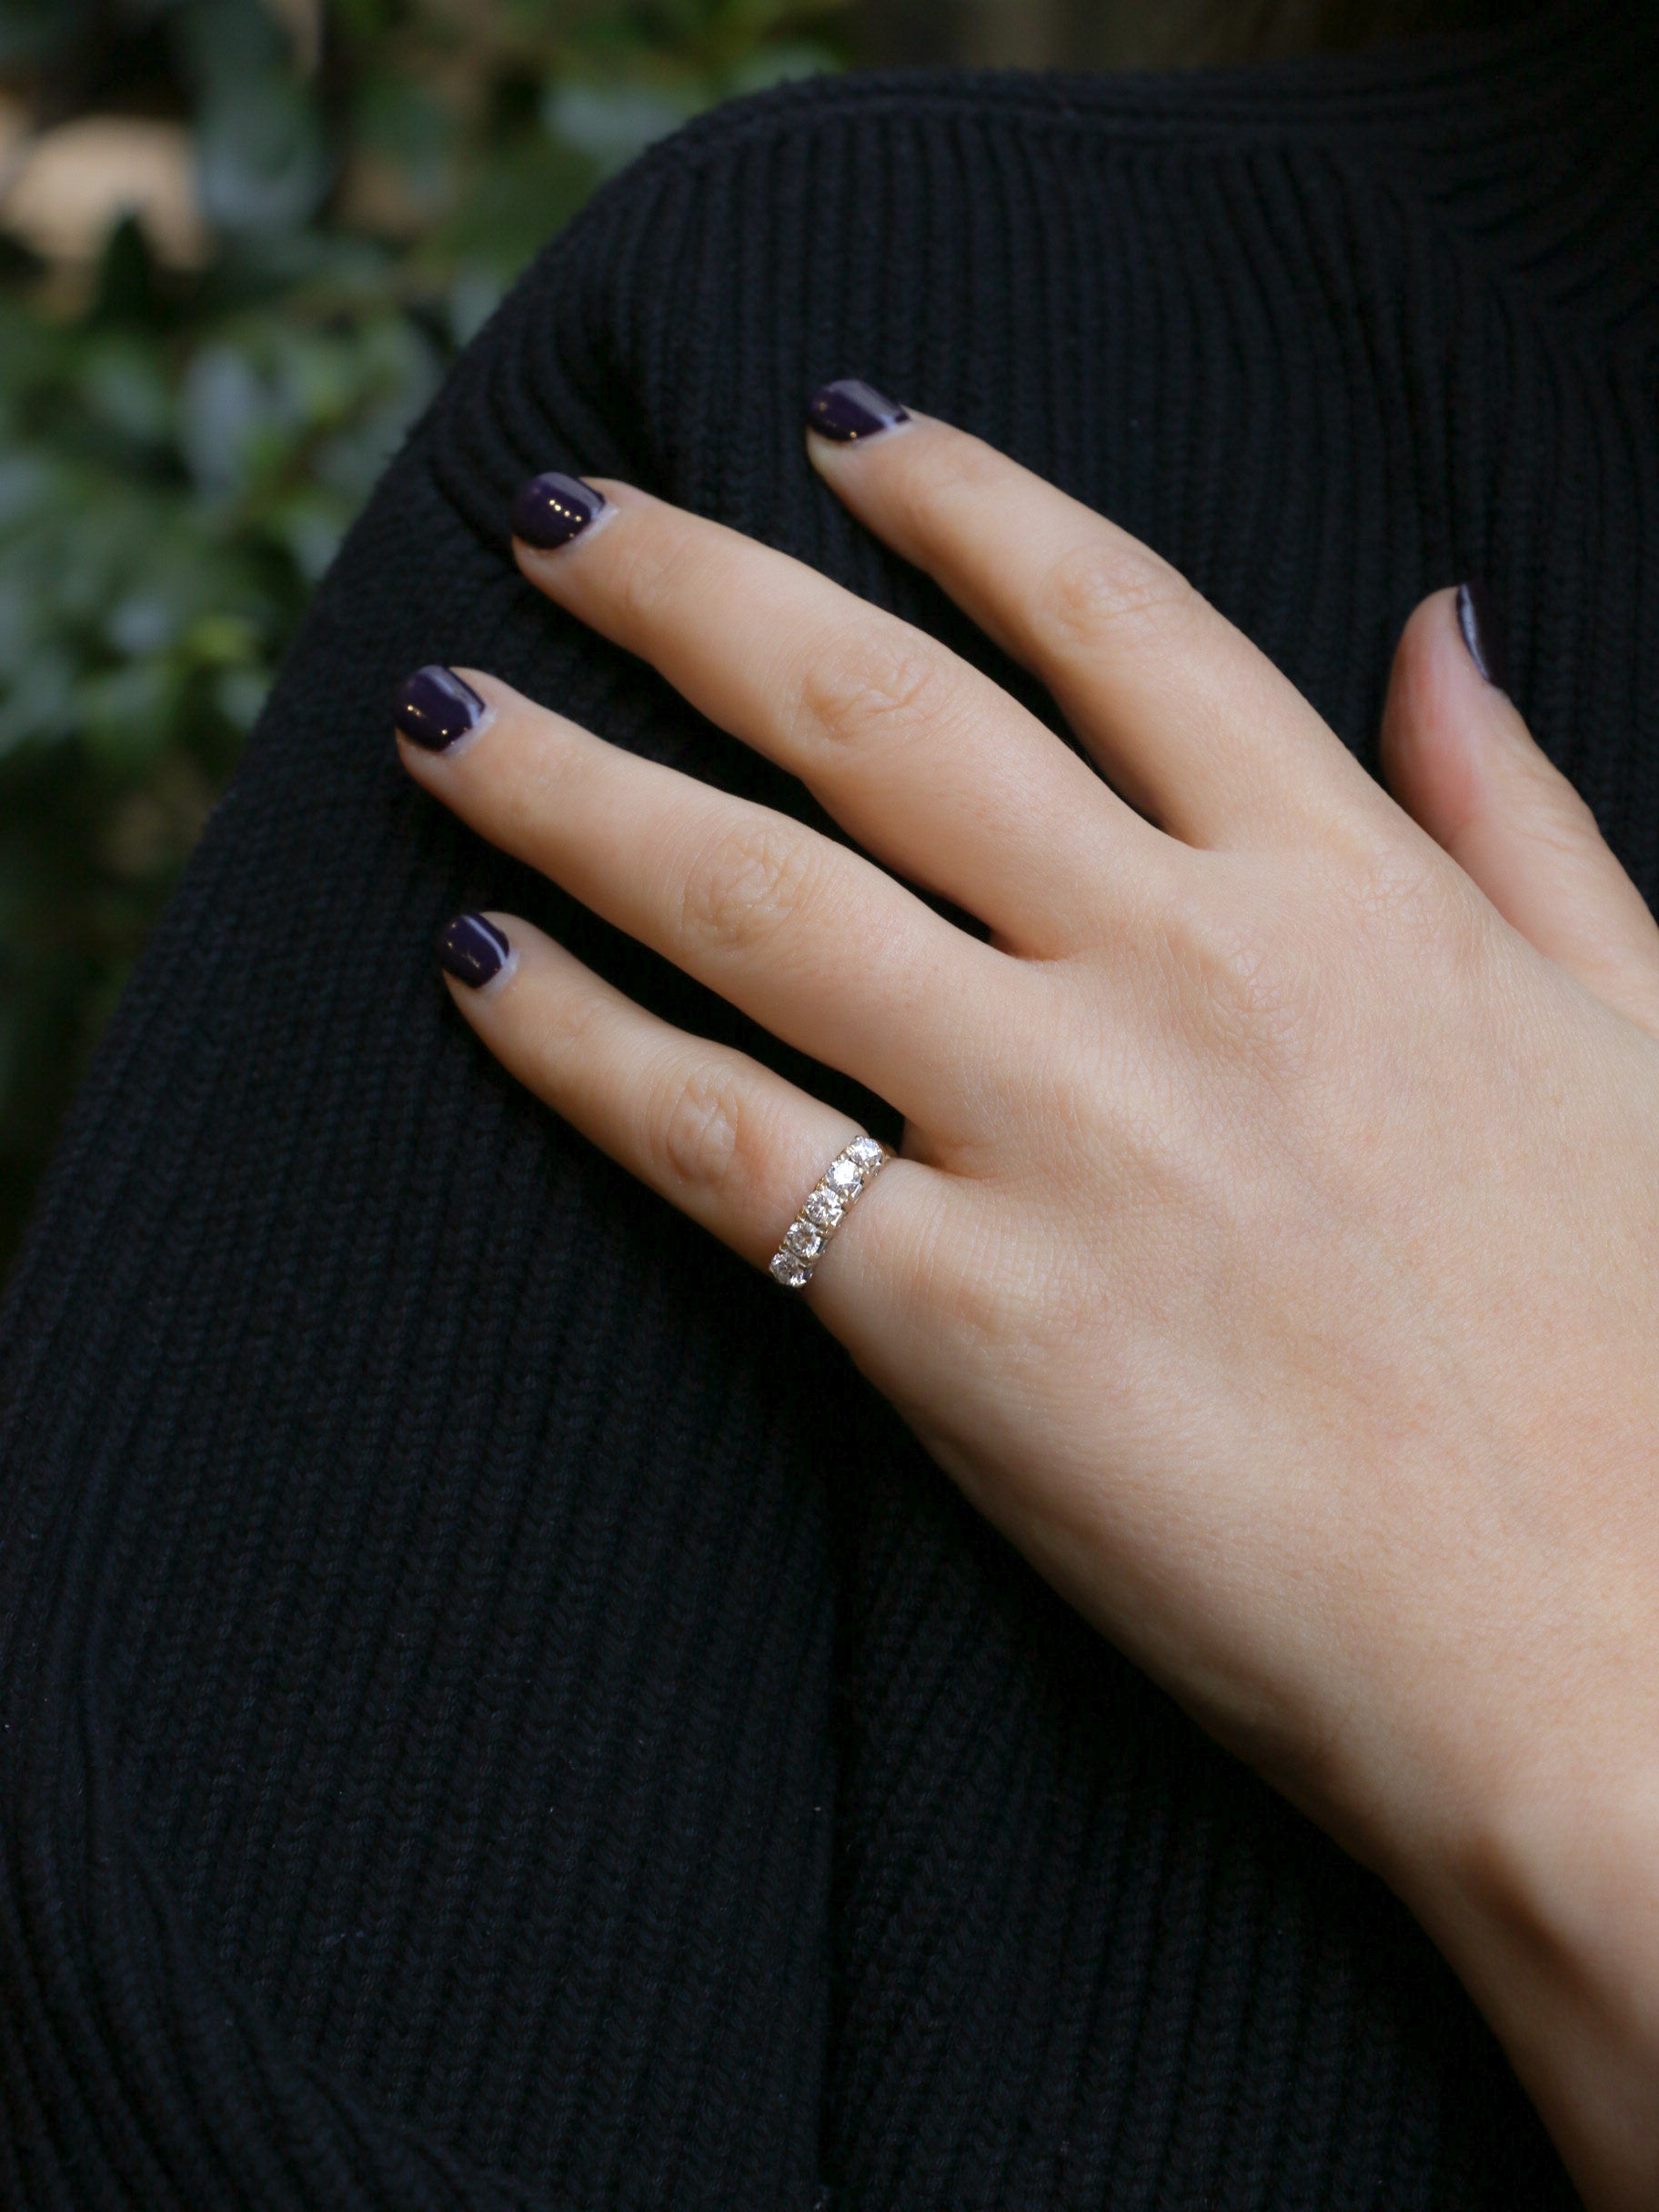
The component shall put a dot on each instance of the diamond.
(805, 1242)
(865, 1151)
(823, 1209)
(786, 1268)
(844, 1175)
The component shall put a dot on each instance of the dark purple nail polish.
(472, 949)
(551, 510)
(1483, 633)
(434, 707)
(849, 409)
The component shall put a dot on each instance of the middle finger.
(810, 940)
(929, 765)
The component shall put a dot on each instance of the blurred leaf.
(778, 64)
(128, 290)
(262, 163)
(515, 203)
(25, 482)
(309, 527)
(611, 124)
(220, 406)
(30, 30)
(125, 714)
(409, 126)
(239, 694)
(474, 295)
(262, 160)
(223, 640)
(124, 386)
(37, 706)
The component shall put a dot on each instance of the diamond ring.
(854, 1166)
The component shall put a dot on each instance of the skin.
(1274, 1254)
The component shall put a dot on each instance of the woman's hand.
(1274, 1254)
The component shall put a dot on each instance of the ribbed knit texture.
(493, 1712)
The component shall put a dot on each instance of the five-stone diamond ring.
(854, 1166)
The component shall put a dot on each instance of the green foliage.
(181, 449)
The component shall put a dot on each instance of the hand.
(1274, 1254)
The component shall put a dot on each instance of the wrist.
(1546, 1900)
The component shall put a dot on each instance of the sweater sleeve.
(415, 1649)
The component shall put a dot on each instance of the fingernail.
(434, 707)
(552, 509)
(474, 951)
(849, 410)
(1483, 633)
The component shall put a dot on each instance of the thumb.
(1459, 758)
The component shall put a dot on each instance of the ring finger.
(721, 1136)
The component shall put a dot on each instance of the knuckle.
(1563, 825)
(1398, 886)
(697, 1127)
(535, 794)
(649, 574)
(1105, 583)
(1251, 990)
(947, 466)
(1006, 1298)
(856, 684)
(1409, 902)
(572, 1027)
(747, 883)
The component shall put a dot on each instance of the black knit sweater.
(492, 1710)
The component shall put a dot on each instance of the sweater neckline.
(1539, 139)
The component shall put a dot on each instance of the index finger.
(1187, 718)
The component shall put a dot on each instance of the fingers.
(1460, 758)
(931, 766)
(1190, 721)
(716, 1133)
(812, 941)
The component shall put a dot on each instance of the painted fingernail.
(434, 709)
(552, 509)
(849, 410)
(473, 950)
(1483, 633)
